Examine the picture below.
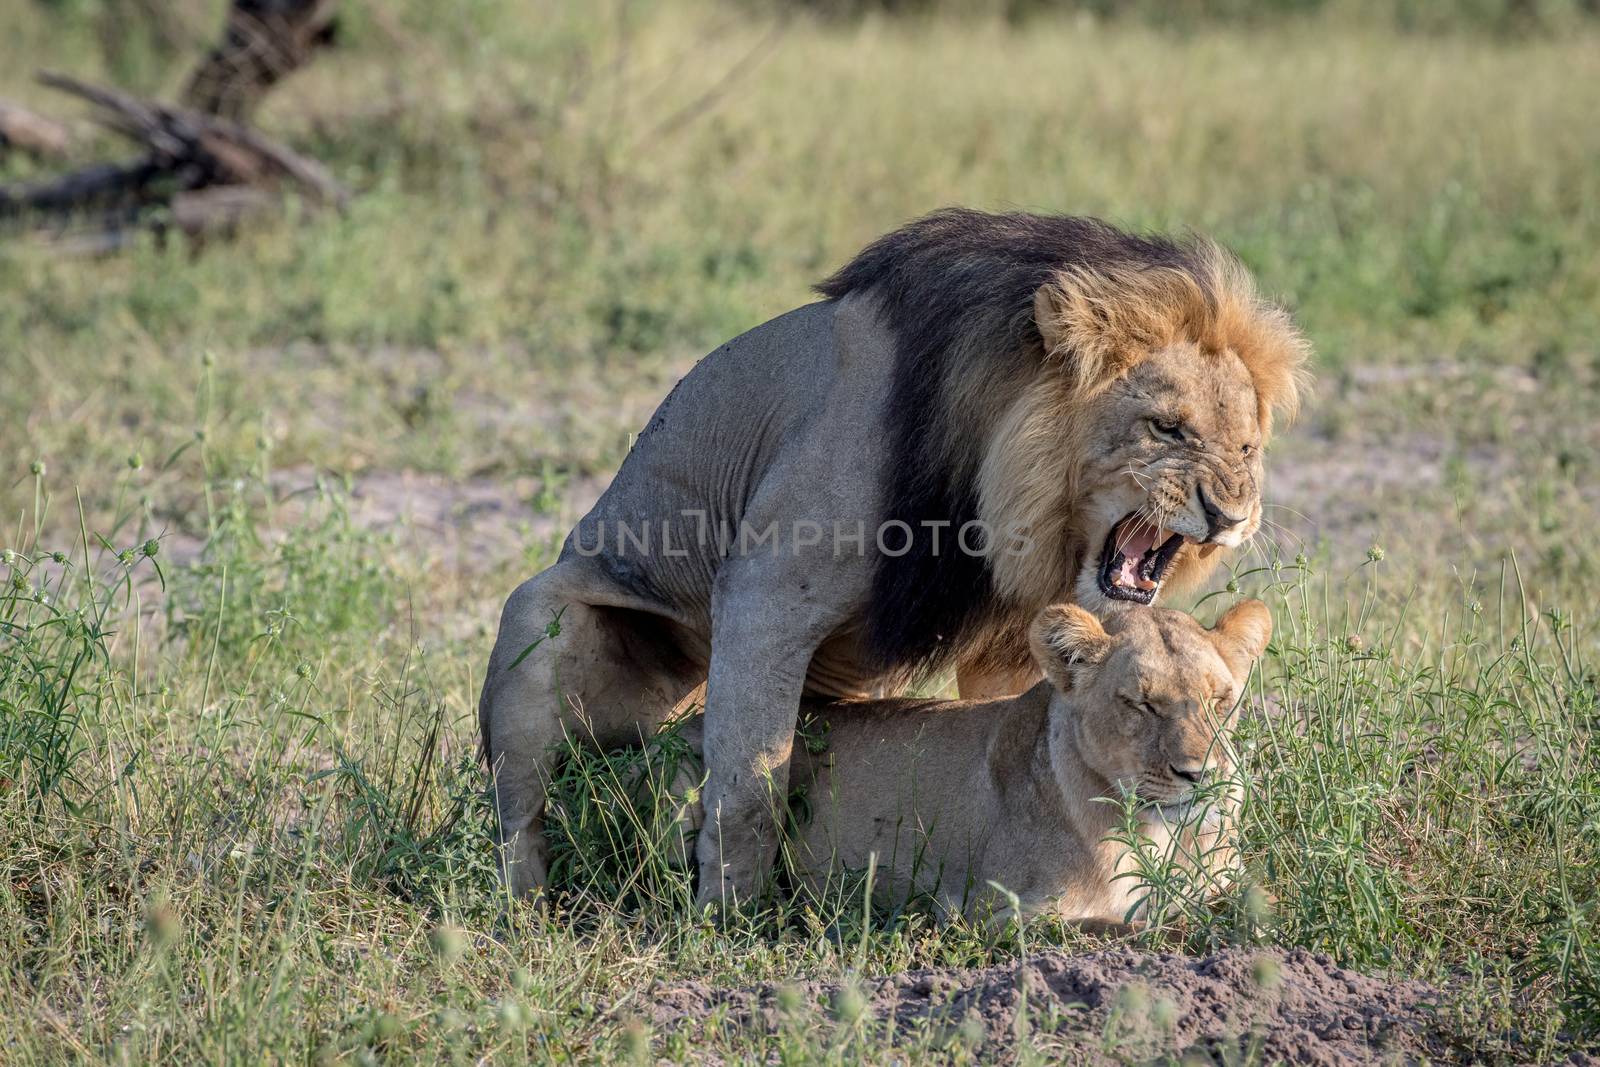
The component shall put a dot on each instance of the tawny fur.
(1098, 323)
(950, 800)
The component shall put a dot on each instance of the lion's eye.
(1138, 704)
(1164, 428)
(1247, 449)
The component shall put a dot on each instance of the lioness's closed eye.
(1148, 697)
(951, 798)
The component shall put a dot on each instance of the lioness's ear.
(1065, 639)
(1098, 323)
(1243, 632)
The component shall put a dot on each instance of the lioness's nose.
(1217, 520)
(1193, 773)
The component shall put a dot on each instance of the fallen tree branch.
(199, 168)
(185, 151)
(220, 208)
(30, 132)
(122, 187)
(220, 151)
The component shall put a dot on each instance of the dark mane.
(934, 271)
(956, 289)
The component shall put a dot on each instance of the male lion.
(946, 797)
(987, 414)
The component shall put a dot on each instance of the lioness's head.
(1137, 455)
(1152, 691)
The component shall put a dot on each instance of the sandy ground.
(1113, 1006)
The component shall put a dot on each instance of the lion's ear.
(1098, 323)
(1079, 331)
(1242, 633)
(1065, 640)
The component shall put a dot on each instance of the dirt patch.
(466, 525)
(1113, 1006)
(474, 522)
(1352, 493)
(1437, 461)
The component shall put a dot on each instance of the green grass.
(240, 813)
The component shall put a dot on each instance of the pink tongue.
(1141, 539)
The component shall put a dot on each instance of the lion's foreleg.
(761, 648)
(752, 702)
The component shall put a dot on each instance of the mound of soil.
(1114, 1006)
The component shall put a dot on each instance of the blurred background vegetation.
(1495, 16)
(347, 434)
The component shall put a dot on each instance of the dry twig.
(28, 131)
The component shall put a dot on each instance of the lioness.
(951, 796)
(985, 415)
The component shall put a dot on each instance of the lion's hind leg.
(567, 668)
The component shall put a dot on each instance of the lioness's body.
(999, 370)
(944, 799)
(971, 802)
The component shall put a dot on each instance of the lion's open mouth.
(1135, 559)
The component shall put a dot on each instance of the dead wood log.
(30, 132)
(200, 150)
(197, 173)
(122, 188)
(220, 208)
(200, 167)
(263, 41)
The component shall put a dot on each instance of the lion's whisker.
(1282, 532)
(1285, 507)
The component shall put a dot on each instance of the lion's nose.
(1193, 773)
(1217, 520)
